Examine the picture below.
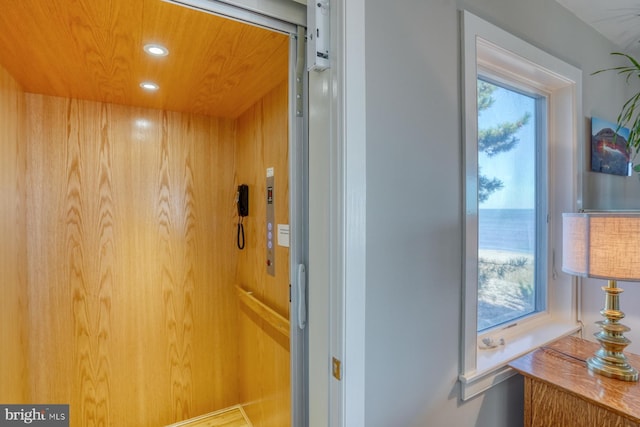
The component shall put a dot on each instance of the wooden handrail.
(266, 313)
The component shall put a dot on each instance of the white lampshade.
(601, 245)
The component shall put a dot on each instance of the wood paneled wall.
(262, 142)
(13, 259)
(131, 240)
(119, 260)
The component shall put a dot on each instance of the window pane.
(507, 201)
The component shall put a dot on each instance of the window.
(521, 127)
(512, 213)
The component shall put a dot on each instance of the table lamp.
(605, 246)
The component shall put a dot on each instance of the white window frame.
(487, 47)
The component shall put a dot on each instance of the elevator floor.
(229, 417)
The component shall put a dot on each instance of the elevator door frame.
(287, 17)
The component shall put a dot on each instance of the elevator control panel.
(271, 223)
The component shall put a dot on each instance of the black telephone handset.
(243, 200)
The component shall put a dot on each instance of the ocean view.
(507, 229)
(506, 244)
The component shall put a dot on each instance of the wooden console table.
(559, 391)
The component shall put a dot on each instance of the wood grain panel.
(129, 262)
(559, 389)
(551, 407)
(527, 401)
(263, 142)
(13, 254)
(264, 353)
(568, 356)
(92, 50)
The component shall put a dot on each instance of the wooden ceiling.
(93, 49)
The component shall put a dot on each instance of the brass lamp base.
(620, 371)
(609, 359)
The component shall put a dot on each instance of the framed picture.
(609, 152)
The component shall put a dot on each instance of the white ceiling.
(617, 20)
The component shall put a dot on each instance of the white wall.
(413, 211)
(413, 214)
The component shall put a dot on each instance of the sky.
(515, 168)
(598, 124)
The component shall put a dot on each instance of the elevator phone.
(242, 200)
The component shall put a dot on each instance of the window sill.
(491, 365)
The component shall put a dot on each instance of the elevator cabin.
(125, 293)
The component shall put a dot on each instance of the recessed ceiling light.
(149, 86)
(156, 50)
